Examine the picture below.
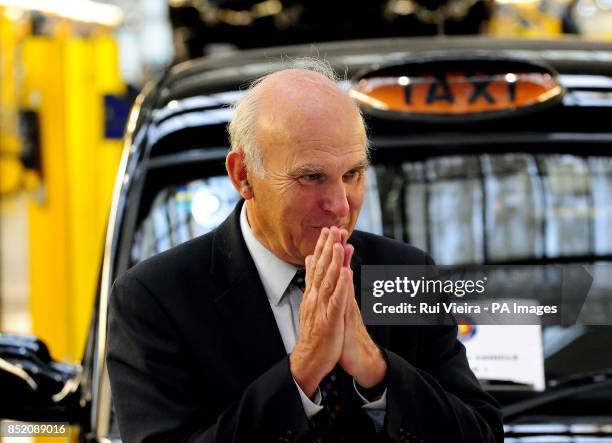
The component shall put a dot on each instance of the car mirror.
(34, 387)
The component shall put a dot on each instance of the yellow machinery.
(525, 19)
(12, 176)
(58, 77)
(588, 19)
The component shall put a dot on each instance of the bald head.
(293, 102)
(281, 100)
(299, 88)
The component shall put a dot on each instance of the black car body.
(481, 188)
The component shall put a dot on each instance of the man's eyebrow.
(361, 165)
(313, 169)
(307, 170)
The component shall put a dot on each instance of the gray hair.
(241, 128)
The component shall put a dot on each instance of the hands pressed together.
(331, 328)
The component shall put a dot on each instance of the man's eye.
(310, 177)
(351, 174)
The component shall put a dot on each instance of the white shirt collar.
(275, 273)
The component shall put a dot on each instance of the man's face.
(315, 159)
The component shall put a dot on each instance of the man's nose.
(335, 200)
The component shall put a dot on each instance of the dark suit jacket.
(194, 354)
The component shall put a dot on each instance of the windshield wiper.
(562, 388)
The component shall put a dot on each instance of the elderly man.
(226, 339)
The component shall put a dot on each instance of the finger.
(320, 243)
(336, 306)
(330, 281)
(336, 235)
(348, 255)
(340, 234)
(322, 262)
(317, 254)
(344, 236)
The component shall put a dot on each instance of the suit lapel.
(244, 305)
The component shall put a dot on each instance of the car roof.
(238, 68)
(190, 105)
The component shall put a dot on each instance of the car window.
(484, 208)
(495, 208)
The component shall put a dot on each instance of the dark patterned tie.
(299, 279)
(329, 387)
(330, 393)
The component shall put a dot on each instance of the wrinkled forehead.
(299, 96)
(302, 106)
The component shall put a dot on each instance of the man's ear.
(237, 171)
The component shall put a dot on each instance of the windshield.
(488, 208)
(511, 207)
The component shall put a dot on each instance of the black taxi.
(484, 152)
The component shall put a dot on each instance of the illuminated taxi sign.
(456, 88)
